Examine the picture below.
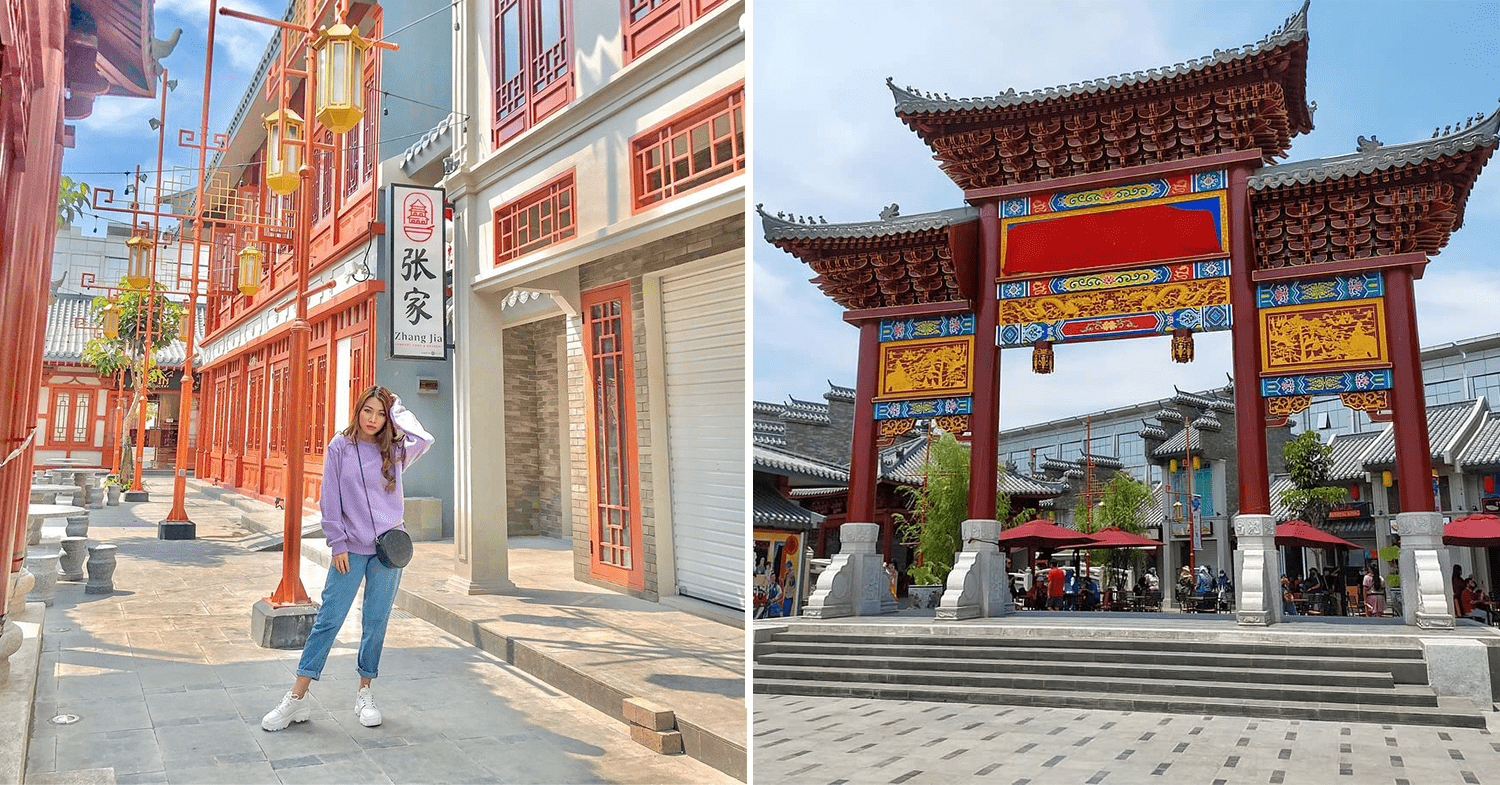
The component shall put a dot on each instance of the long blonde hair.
(385, 438)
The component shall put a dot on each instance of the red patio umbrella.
(1115, 537)
(1478, 531)
(1306, 535)
(1042, 534)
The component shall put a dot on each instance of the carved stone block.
(70, 560)
(101, 567)
(44, 568)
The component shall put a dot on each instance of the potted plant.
(926, 586)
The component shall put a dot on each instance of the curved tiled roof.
(1444, 422)
(1170, 415)
(1347, 452)
(837, 393)
(1483, 451)
(1101, 461)
(768, 432)
(912, 101)
(1150, 430)
(771, 460)
(904, 462)
(66, 337)
(1048, 463)
(1172, 448)
(1208, 422)
(784, 227)
(1205, 402)
(806, 411)
(1374, 157)
(771, 409)
(773, 509)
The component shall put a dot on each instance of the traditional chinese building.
(1149, 204)
(598, 191)
(245, 353)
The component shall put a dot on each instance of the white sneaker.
(291, 709)
(364, 706)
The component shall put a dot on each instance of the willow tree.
(127, 353)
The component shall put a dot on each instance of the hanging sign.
(1197, 517)
(417, 294)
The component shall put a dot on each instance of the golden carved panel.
(912, 369)
(1287, 405)
(1311, 337)
(887, 431)
(1109, 302)
(1371, 401)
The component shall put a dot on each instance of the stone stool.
(101, 566)
(78, 525)
(70, 563)
(34, 529)
(21, 582)
(44, 567)
(81, 497)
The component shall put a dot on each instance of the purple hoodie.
(349, 522)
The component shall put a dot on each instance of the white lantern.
(341, 69)
(283, 150)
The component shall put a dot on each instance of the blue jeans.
(338, 595)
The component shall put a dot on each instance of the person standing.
(1056, 584)
(1374, 592)
(361, 499)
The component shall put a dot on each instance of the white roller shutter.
(703, 340)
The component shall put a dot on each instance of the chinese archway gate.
(1146, 205)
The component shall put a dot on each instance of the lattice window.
(536, 220)
(61, 403)
(317, 376)
(614, 514)
(325, 168)
(83, 418)
(649, 22)
(533, 63)
(256, 424)
(689, 151)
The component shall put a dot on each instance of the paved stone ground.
(801, 740)
(169, 688)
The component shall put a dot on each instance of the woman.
(1374, 592)
(361, 499)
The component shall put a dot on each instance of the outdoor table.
(36, 513)
(45, 490)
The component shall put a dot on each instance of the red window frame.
(538, 79)
(615, 549)
(545, 216)
(75, 434)
(689, 151)
(647, 23)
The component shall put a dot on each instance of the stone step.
(1405, 695)
(1405, 670)
(1389, 649)
(1265, 674)
(1219, 705)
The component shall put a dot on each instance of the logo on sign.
(417, 217)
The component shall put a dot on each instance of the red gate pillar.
(1427, 598)
(1257, 585)
(984, 422)
(864, 460)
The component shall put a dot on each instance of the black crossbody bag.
(392, 546)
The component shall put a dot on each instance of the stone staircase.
(1106, 669)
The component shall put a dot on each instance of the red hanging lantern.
(1489, 483)
(1354, 492)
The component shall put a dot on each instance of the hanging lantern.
(1182, 346)
(1354, 492)
(250, 263)
(1041, 357)
(111, 316)
(1197, 464)
(1385, 479)
(138, 263)
(341, 68)
(1489, 483)
(283, 150)
(184, 327)
(1172, 465)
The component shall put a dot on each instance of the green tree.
(1124, 504)
(127, 351)
(1309, 461)
(72, 198)
(939, 508)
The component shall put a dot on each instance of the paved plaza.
(801, 740)
(167, 687)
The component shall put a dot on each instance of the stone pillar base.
(176, 530)
(138, 496)
(286, 627)
(1426, 594)
(1257, 584)
(469, 586)
(978, 585)
(855, 583)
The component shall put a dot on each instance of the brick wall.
(533, 478)
(723, 236)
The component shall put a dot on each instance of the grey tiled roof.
(807, 493)
(1443, 422)
(1480, 132)
(1012, 484)
(784, 227)
(1210, 403)
(912, 101)
(837, 393)
(769, 432)
(1049, 463)
(1170, 415)
(1172, 448)
(774, 461)
(903, 462)
(1483, 451)
(1280, 483)
(806, 411)
(1208, 422)
(1101, 461)
(773, 509)
(1150, 430)
(65, 337)
(771, 409)
(1348, 452)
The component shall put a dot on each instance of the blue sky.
(826, 142)
(118, 136)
